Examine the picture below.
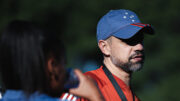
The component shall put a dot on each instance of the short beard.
(129, 66)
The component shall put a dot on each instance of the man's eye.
(134, 40)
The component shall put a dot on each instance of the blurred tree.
(76, 21)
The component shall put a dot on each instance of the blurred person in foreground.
(120, 36)
(32, 66)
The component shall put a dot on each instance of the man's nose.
(139, 46)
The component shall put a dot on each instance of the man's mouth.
(138, 57)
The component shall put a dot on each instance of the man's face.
(127, 54)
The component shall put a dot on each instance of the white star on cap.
(131, 16)
(133, 20)
(126, 13)
(124, 17)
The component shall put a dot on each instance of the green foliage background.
(76, 22)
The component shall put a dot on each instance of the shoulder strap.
(115, 84)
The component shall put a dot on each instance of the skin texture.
(129, 58)
(123, 56)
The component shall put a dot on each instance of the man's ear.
(104, 47)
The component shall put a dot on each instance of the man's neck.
(117, 71)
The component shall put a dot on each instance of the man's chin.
(136, 67)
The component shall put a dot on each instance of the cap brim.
(130, 30)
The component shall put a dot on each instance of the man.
(120, 38)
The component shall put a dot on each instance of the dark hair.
(24, 50)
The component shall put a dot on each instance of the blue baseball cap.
(122, 24)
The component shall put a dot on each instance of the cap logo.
(129, 17)
(121, 24)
